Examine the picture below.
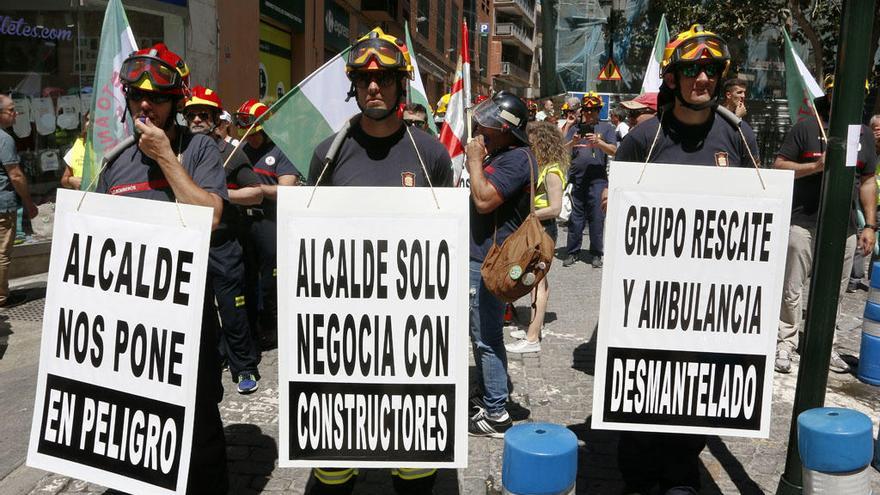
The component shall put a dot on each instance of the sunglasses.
(138, 96)
(590, 110)
(694, 70)
(203, 116)
(363, 79)
(415, 122)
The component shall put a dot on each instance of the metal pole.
(834, 210)
(548, 48)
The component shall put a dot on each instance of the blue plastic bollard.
(539, 459)
(876, 462)
(836, 447)
(874, 293)
(869, 349)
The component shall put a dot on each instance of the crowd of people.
(565, 154)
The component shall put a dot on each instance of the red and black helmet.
(249, 112)
(156, 69)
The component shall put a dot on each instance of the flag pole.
(466, 79)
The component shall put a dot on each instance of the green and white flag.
(416, 92)
(651, 82)
(108, 102)
(800, 86)
(317, 107)
(311, 112)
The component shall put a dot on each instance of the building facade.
(48, 54)
(298, 36)
(513, 46)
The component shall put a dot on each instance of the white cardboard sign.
(691, 290)
(373, 327)
(119, 353)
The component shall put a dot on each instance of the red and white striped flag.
(453, 133)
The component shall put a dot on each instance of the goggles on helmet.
(160, 74)
(698, 48)
(243, 119)
(386, 54)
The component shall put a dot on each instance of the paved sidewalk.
(554, 385)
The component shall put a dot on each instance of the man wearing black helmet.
(499, 162)
(379, 150)
(691, 132)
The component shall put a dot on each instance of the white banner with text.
(120, 345)
(373, 327)
(691, 291)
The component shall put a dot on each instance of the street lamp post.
(846, 108)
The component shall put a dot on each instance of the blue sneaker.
(247, 383)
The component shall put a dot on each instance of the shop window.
(441, 27)
(422, 22)
(454, 29)
(50, 77)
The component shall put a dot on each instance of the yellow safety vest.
(542, 200)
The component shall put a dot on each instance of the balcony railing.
(525, 9)
(511, 29)
(512, 70)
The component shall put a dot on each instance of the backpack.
(513, 269)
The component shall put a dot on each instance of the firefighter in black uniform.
(169, 163)
(691, 132)
(226, 263)
(380, 150)
(273, 169)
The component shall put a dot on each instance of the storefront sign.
(336, 31)
(18, 27)
(288, 12)
(690, 299)
(275, 60)
(119, 353)
(373, 312)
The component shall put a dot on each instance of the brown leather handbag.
(513, 269)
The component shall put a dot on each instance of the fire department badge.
(408, 179)
(721, 159)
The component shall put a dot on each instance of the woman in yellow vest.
(553, 159)
(73, 172)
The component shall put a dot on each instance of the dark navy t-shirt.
(803, 144)
(508, 172)
(585, 154)
(364, 160)
(137, 175)
(239, 174)
(716, 142)
(269, 163)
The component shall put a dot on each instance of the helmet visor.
(243, 119)
(162, 75)
(700, 48)
(386, 54)
(489, 114)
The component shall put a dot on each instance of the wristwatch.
(870, 226)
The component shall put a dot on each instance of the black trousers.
(207, 466)
(260, 262)
(227, 284)
(667, 459)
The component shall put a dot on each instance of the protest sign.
(373, 327)
(691, 290)
(120, 345)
